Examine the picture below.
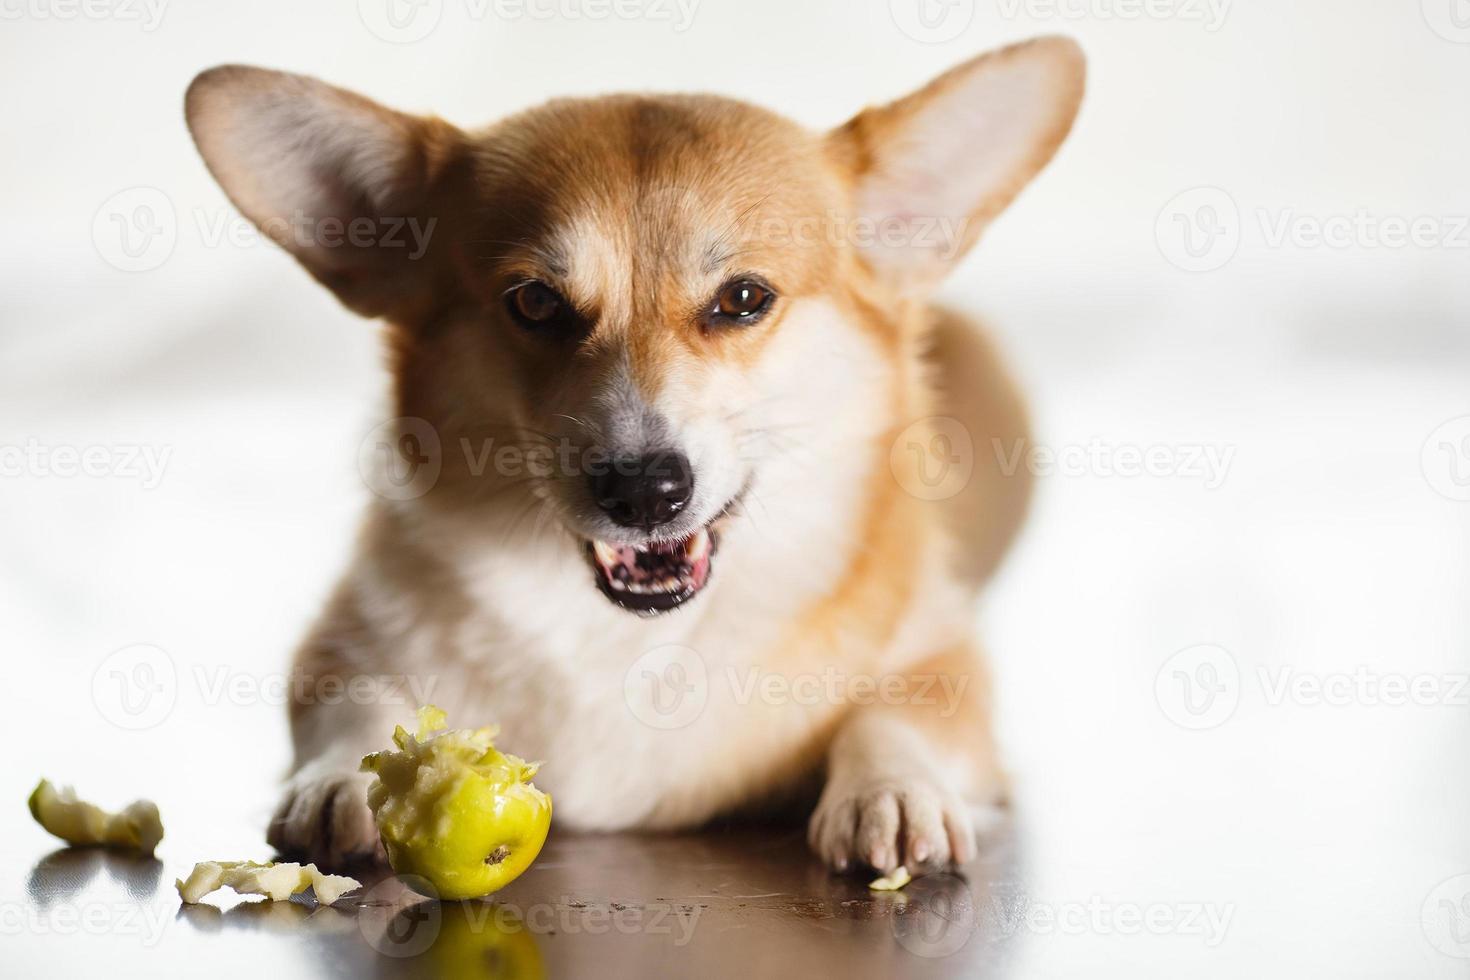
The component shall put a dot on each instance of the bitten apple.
(454, 811)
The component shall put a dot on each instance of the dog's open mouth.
(656, 577)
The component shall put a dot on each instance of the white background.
(1333, 542)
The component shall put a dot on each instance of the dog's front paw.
(324, 818)
(884, 823)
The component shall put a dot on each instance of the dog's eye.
(535, 304)
(742, 302)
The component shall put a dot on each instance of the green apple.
(455, 811)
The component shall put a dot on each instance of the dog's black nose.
(644, 491)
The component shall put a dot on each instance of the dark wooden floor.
(727, 903)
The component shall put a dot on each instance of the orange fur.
(638, 210)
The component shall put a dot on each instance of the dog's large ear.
(344, 184)
(931, 170)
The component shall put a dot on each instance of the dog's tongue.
(663, 568)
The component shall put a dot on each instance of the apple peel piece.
(137, 827)
(277, 882)
(892, 882)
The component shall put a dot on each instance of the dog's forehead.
(687, 187)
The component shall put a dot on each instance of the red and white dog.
(705, 330)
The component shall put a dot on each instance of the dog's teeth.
(605, 552)
(698, 546)
(619, 585)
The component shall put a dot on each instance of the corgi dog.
(702, 493)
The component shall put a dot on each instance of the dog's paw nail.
(921, 851)
(840, 864)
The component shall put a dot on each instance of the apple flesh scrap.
(137, 827)
(893, 882)
(458, 818)
(276, 882)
